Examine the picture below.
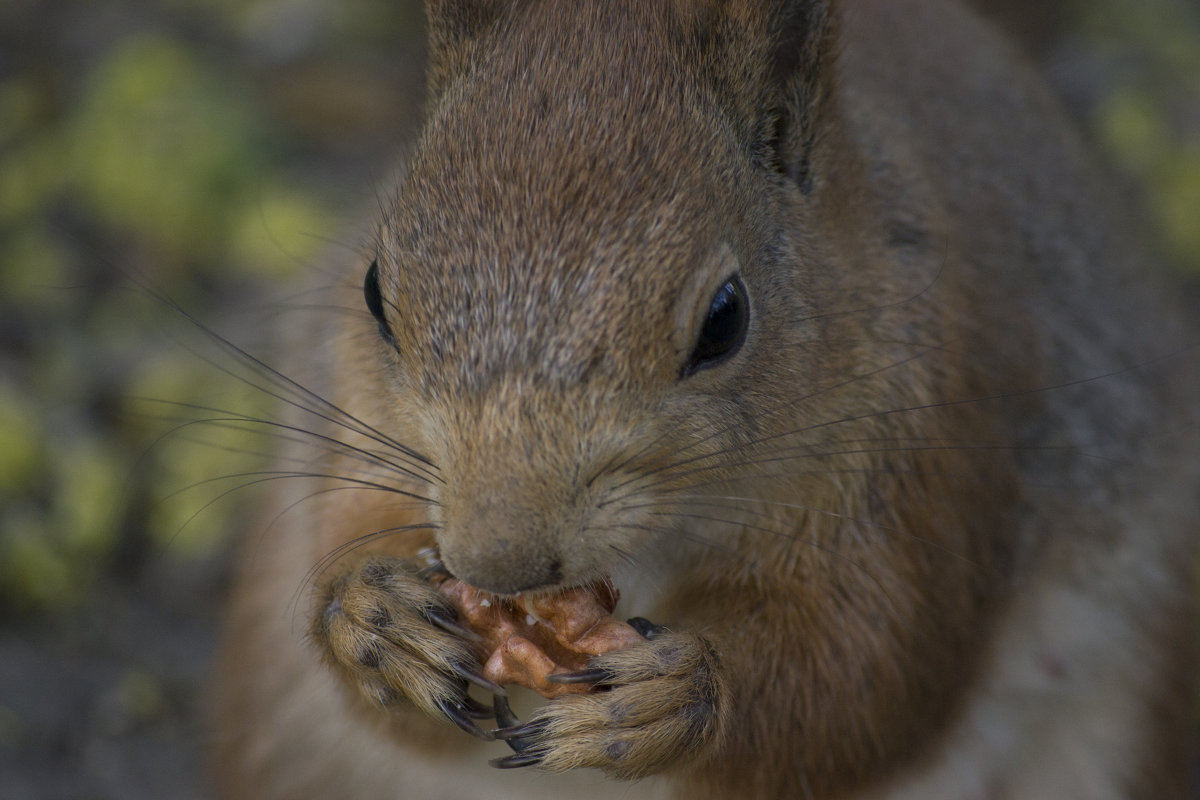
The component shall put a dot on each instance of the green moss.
(35, 572)
(1143, 141)
(142, 695)
(32, 170)
(161, 147)
(30, 176)
(91, 492)
(62, 499)
(22, 458)
(19, 104)
(1178, 204)
(165, 146)
(1154, 50)
(32, 262)
(1134, 129)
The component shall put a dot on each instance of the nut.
(525, 640)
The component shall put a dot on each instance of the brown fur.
(925, 535)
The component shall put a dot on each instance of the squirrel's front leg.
(656, 705)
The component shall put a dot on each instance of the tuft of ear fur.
(771, 65)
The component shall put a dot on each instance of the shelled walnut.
(525, 640)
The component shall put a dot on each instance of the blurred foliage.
(179, 151)
(201, 149)
(1148, 116)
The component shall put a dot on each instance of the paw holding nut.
(659, 702)
(627, 698)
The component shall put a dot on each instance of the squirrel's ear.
(802, 84)
(773, 68)
(454, 27)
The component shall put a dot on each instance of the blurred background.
(208, 153)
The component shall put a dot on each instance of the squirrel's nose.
(504, 566)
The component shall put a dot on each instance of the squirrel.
(811, 324)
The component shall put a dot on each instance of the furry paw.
(655, 703)
(391, 635)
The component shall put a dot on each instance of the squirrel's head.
(588, 271)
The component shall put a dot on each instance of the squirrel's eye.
(375, 302)
(724, 327)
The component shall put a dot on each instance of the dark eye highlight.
(374, 300)
(724, 327)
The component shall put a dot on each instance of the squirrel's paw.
(654, 704)
(390, 634)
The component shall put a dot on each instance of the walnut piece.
(526, 640)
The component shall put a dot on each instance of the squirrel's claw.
(450, 625)
(475, 709)
(505, 717)
(460, 716)
(474, 677)
(513, 732)
(517, 760)
(519, 731)
(596, 675)
(646, 628)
